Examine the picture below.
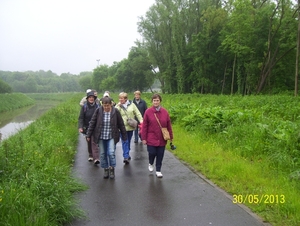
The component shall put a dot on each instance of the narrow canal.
(13, 121)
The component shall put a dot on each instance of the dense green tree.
(86, 82)
(237, 42)
(109, 84)
(4, 87)
(237, 46)
(99, 74)
(139, 64)
(124, 76)
(30, 85)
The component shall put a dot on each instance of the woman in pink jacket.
(152, 135)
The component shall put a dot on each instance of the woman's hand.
(80, 130)
(144, 142)
(88, 139)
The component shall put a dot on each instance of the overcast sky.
(67, 35)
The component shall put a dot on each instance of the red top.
(151, 131)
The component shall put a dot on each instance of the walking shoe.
(90, 159)
(126, 161)
(129, 158)
(159, 174)
(111, 172)
(106, 173)
(150, 167)
(135, 141)
(96, 162)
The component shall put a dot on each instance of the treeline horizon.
(48, 82)
(210, 47)
(41, 81)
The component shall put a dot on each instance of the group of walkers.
(104, 123)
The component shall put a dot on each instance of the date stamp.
(258, 199)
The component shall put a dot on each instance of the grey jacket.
(116, 122)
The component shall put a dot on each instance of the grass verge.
(263, 189)
(11, 101)
(35, 169)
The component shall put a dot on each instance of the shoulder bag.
(131, 122)
(164, 131)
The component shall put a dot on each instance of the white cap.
(106, 94)
(88, 90)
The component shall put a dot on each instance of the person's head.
(90, 97)
(123, 97)
(137, 95)
(95, 92)
(156, 99)
(106, 94)
(106, 104)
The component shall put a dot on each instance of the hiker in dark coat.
(105, 128)
(86, 113)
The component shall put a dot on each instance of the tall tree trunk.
(232, 77)
(224, 77)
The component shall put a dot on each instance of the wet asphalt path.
(137, 197)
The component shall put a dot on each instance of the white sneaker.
(90, 159)
(159, 174)
(150, 167)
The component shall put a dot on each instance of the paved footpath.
(137, 197)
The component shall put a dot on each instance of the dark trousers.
(93, 149)
(158, 153)
(89, 144)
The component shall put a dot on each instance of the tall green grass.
(51, 96)
(11, 101)
(246, 145)
(36, 185)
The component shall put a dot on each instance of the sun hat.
(106, 94)
(90, 94)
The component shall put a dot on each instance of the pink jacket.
(151, 131)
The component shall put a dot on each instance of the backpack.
(85, 106)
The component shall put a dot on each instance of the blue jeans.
(136, 134)
(158, 153)
(126, 144)
(107, 153)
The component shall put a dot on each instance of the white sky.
(67, 35)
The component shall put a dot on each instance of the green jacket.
(131, 111)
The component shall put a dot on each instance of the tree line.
(38, 82)
(130, 74)
(219, 47)
(222, 47)
(196, 46)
